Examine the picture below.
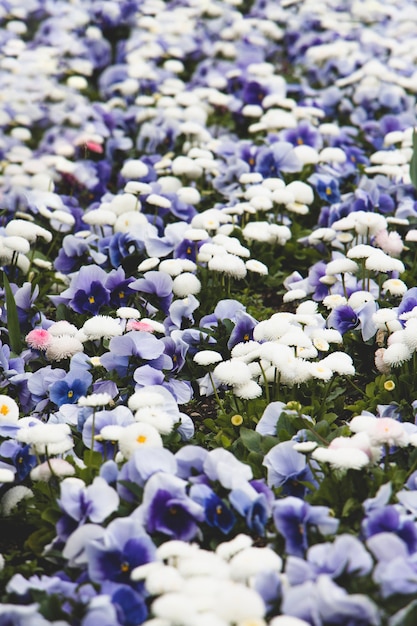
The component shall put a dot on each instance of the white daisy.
(63, 347)
(381, 262)
(334, 300)
(341, 266)
(102, 327)
(339, 362)
(95, 399)
(341, 458)
(395, 286)
(248, 390)
(186, 284)
(396, 354)
(207, 357)
(173, 267)
(320, 371)
(294, 294)
(128, 313)
(232, 372)
(228, 264)
(157, 417)
(12, 497)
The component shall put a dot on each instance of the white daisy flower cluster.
(189, 585)
(18, 240)
(288, 349)
(372, 437)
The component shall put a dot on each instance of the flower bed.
(208, 313)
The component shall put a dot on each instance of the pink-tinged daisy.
(136, 325)
(38, 339)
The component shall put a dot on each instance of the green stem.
(325, 396)
(356, 387)
(276, 384)
(267, 396)
(216, 395)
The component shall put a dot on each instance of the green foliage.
(413, 162)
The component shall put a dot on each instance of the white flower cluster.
(283, 351)
(192, 586)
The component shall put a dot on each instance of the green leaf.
(413, 162)
(39, 539)
(251, 439)
(93, 459)
(406, 616)
(51, 515)
(351, 505)
(13, 325)
(268, 442)
(211, 424)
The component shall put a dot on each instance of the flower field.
(208, 313)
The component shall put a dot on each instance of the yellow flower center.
(4, 409)
(70, 393)
(141, 439)
(91, 299)
(236, 420)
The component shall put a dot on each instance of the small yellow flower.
(293, 405)
(237, 420)
(389, 385)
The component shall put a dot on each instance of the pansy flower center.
(4, 409)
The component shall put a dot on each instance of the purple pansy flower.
(277, 158)
(123, 547)
(158, 289)
(324, 602)
(253, 506)
(243, 329)
(287, 468)
(141, 466)
(119, 416)
(217, 513)
(167, 509)
(80, 503)
(292, 517)
(390, 519)
(346, 555)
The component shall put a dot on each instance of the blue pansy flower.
(217, 513)
(66, 392)
(328, 189)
